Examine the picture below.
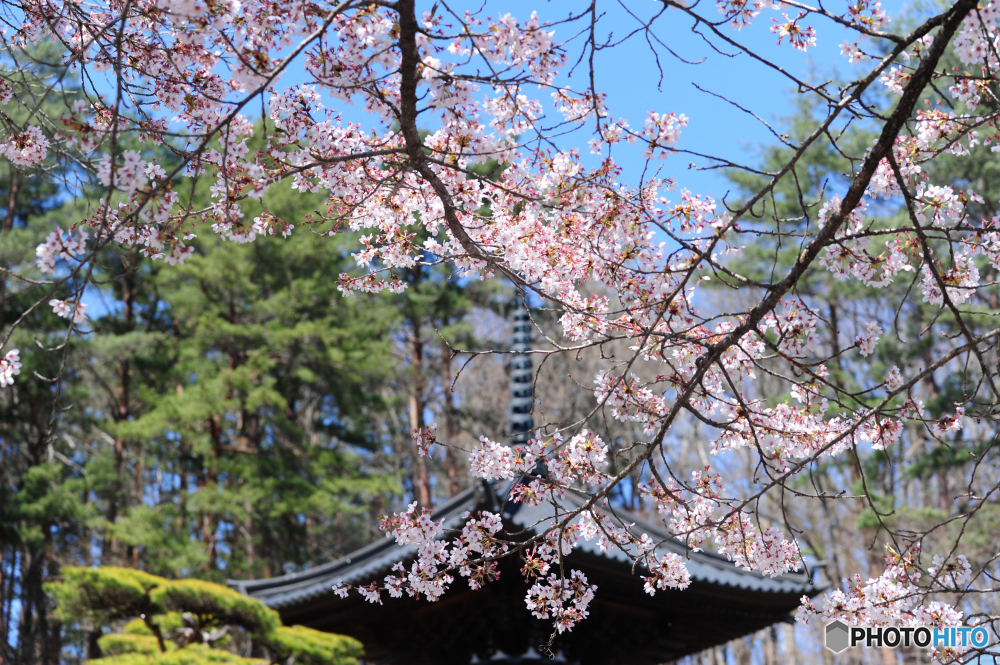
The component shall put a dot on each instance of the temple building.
(626, 626)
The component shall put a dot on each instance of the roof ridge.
(441, 512)
(371, 560)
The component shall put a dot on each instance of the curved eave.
(373, 561)
(702, 565)
(361, 565)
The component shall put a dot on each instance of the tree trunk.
(15, 185)
(421, 484)
(451, 459)
(4, 620)
(122, 411)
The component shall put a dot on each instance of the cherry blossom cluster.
(446, 93)
(699, 513)
(580, 459)
(69, 310)
(424, 438)
(669, 572)
(960, 281)
(495, 461)
(552, 596)
(750, 548)
(60, 246)
(10, 366)
(740, 13)
(854, 256)
(800, 37)
(661, 131)
(27, 148)
(952, 574)
(867, 339)
(563, 600)
(131, 176)
(472, 553)
(894, 597)
(868, 13)
(972, 45)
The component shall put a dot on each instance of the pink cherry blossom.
(27, 148)
(390, 119)
(10, 366)
(867, 340)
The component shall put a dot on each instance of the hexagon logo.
(837, 636)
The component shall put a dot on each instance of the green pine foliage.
(185, 622)
(311, 647)
(216, 420)
(233, 417)
(43, 496)
(222, 604)
(264, 407)
(119, 644)
(196, 654)
(102, 594)
(252, 386)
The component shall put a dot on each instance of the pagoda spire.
(521, 375)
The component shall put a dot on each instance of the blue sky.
(628, 74)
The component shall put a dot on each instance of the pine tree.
(44, 507)
(185, 622)
(255, 411)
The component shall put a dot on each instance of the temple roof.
(729, 601)
(367, 563)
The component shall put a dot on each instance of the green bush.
(221, 604)
(117, 644)
(103, 594)
(195, 654)
(184, 622)
(312, 647)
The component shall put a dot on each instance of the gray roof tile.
(373, 561)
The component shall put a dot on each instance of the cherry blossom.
(27, 148)
(765, 551)
(495, 461)
(892, 599)
(948, 423)
(424, 438)
(652, 284)
(798, 36)
(131, 176)
(741, 12)
(563, 600)
(66, 310)
(867, 340)
(960, 281)
(668, 573)
(893, 379)
(59, 246)
(869, 14)
(953, 574)
(851, 51)
(10, 366)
